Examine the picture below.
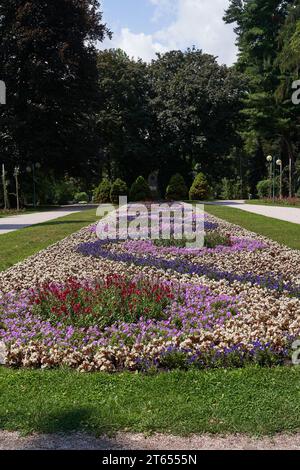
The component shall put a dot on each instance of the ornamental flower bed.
(117, 324)
(137, 305)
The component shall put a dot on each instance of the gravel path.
(17, 222)
(288, 214)
(122, 441)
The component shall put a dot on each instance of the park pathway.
(288, 214)
(123, 441)
(17, 222)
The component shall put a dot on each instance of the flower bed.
(118, 324)
(163, 307)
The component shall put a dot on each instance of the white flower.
(3, 353)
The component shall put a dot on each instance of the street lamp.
(31, 169)
(279, 163)
(270, 161)
(16, 176)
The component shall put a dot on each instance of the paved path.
(123, 441)
(17, 222)
(288, 214)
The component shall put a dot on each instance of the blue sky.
(144, 27)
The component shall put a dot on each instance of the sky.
(144, 27)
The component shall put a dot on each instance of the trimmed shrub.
(118, 188)
(177, 189)
(140, 190)
(64, 190)
(264, 188)
(200, 189)
(81, 197)
(102, 193)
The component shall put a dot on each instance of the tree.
(102, 193)
(176, 189)
(258, 27)
(118, 189)
(48, 62)
(140, 190)
(124, 116)
(196, 103)
(200, 189)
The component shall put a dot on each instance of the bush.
(200, 189)
(231, 189)
(119, 188)
(81, 197)
(177, 189)
(264, 189)
(140, 190)
(102, 193)
(64, 190)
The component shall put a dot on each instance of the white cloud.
(196, 22)
(139, 45)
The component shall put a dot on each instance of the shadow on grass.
(65, 429)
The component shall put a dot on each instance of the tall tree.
(125, 119)
(196, 103)
(48, 61)
(258, 26)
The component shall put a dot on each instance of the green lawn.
(12, 212)
(283, 232)
(16, 246)
(277, 203)
(254, 401)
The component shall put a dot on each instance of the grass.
(28, 210)
(254, 401)
(280, 231)
(16, 246)
(277, 203)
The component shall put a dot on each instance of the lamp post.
(279, 163)
(16, 175)
(270, 161)
(31, 169)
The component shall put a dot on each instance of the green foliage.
(268, 42)
(103, 304)
(140, 190)
(176, 189)
(54, 191)
(102, 193)
(200, 189)
(118, 188)
(179, 402)
(211, 240)
(231, 189)
(196, 107)
(48, 62)
(125, 117)
(283, 232)
(214, 239)
(81, 197)
(264, 188)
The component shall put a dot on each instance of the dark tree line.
(268, 39)
(90, 114)
(178, 113)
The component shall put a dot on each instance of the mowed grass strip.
(254, 401)
(17, 246)
(280, 231)
(277, 203)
